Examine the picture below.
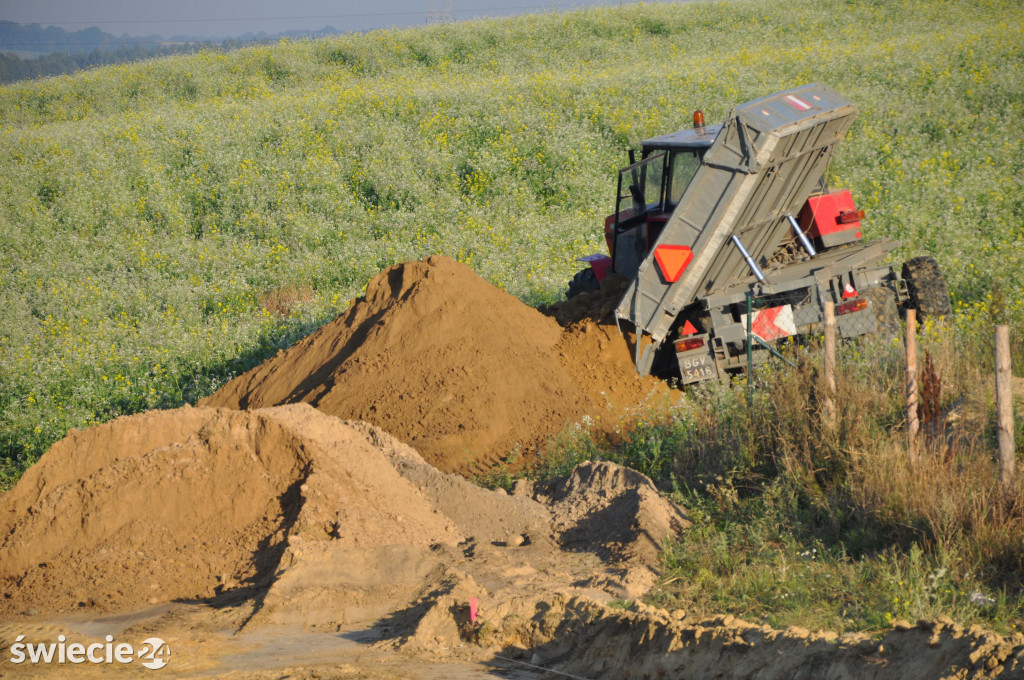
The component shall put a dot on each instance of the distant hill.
(35, 39)
(31, 50)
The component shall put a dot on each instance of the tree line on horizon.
(14, 68)
(59, 52)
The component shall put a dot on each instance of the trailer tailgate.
(764, 163)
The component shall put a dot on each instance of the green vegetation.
(832, 528)
(168, 224)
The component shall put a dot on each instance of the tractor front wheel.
(585, 281)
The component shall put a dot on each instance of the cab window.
(640, 188)
(684, 166)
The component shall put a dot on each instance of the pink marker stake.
(472, 610)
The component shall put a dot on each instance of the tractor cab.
(649, 189)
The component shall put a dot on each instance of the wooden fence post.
(830, 363)
(912, 423)
(1004, 405)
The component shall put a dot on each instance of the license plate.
(696, 367)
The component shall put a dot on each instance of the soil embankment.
(297, 511)
(453, 366)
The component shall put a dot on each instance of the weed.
(283, 300)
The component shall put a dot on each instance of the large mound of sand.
(187, 503)
(451, 365)
(290, 508)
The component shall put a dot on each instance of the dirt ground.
(285, 542)
(211, 527)
(259, 537)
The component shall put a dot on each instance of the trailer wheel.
(927, 287)
(886, 310)
(585, 281)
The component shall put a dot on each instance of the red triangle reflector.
(849, 292)
(688, 329)
(673, 260)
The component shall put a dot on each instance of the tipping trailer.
(712, 215)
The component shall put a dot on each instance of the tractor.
(732, 242)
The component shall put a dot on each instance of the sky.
(229, 18)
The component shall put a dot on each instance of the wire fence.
(768, 326)
(861, 334)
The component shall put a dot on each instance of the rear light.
(687, 345)
(698, 119)
(851, 307)
(847, 216)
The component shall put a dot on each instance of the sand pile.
(302, 515)
(460, 370)
(610, 509)
(598, 306)
(143, 508)
(191, 503)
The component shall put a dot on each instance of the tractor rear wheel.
(927, 287)
(585, 281)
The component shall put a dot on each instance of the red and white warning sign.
(772, 323)
(798, 103)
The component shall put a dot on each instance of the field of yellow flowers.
(169, 223)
